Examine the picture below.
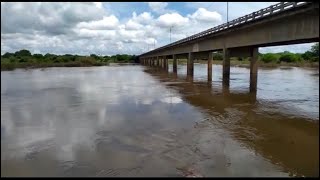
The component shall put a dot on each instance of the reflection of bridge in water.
(289, 141)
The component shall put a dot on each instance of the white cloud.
(172, 19)
(132, 25)
(204, 15)
(143, 18)
(107, 23)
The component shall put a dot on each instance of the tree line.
(311, 55)
(24, 59)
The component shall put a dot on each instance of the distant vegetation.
(24, 59)
(311, 56)
(273, 59)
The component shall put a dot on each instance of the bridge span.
(280, 24)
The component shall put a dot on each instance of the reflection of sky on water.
(65, 111)
(71, 107)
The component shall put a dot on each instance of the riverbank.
(10, 67)
(236, 63)
(246, 63)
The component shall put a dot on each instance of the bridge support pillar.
(210, 66)
(190, 64)
(226, 67)
(174, 57)
(254, 70)
(158, 63)
(153, 62)
(165, 63)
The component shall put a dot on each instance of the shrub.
(269, 57)
(289, 57)
(308, 55)
(217, 56)
(86, 60)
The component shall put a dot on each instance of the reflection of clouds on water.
(71, 106)
(92, 114)
(171, 100)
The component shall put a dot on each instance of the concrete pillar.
(254, 70)
(167, 63)
(165, 60)
(158, 61)
(210, 66)
(226, 67)
(190, 64)
(174, 63)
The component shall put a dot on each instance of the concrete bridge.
(280, 24)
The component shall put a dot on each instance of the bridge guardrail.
(276, 8)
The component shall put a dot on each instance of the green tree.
(315, 49)
(94, 56)
(269, 57)
(22, 53)
(217, 56)
(38, 56)
(289, 57)
(7, 55)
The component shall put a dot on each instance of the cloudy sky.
(110, 28)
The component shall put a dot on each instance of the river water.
(141, 121)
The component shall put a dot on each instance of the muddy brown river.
(141, 121)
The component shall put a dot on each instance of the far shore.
(246, 63)
(233, 63)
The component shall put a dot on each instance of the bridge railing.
(273, 9)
